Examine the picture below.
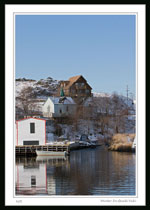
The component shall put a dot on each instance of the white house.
(31, 131)
(59, 107)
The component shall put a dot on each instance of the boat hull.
(50, 153)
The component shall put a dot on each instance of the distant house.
(75, 87)
(59, 107)
(31, 131)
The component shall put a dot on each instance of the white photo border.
(10, 12)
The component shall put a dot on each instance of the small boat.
(51, 153)
(84, 144)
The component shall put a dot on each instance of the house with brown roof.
(76, 87)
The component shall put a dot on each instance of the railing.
(31, 150)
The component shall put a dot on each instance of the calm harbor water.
(85, 172)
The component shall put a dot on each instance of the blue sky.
(99, 47)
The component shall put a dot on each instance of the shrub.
(120, 142)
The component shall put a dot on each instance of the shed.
(31, 131)
(59, 107)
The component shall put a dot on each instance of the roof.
(72, 80)
(75, 78)
(62, 100)
(30, 118)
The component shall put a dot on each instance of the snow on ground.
(50, 137)
(46, 87)
(101, 94)
(41, 87)
(20, 85)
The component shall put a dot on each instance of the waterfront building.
(31, 131)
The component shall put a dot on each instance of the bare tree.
(101, 113)
(110, 113)
(26, 100)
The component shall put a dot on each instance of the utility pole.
(127, 98)
(127, 93)
(131, 95)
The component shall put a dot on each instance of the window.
(79, 84)
(67, 108)
(32, 127)
(60, 111)
(81, 91)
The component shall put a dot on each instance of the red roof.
(30, 118)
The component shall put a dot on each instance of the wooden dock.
(31, 150)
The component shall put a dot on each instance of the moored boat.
(51, 153)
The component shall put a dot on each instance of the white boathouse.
(30, 131)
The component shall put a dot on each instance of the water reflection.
(30, 177)
(86, 172)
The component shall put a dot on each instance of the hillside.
(38, 91)
(109, 114)
(41, 88)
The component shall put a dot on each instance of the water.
(85, 172)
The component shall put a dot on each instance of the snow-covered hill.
(101, 103)
(101, 94)
(41, 88)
